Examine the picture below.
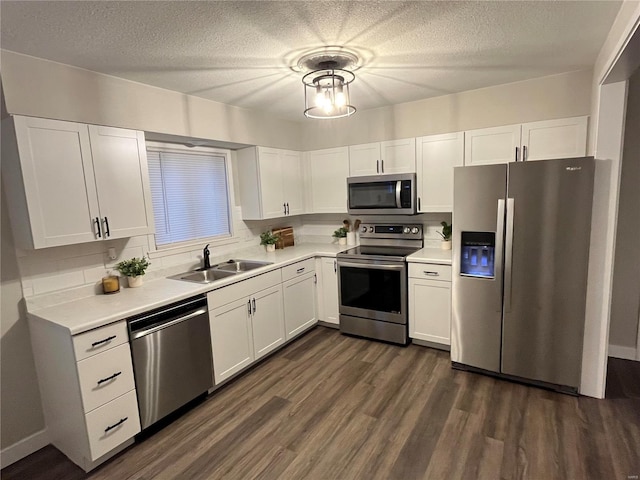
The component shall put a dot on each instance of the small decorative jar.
(110, 284)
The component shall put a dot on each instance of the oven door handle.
(372, 266)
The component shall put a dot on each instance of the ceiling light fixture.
(326, 86)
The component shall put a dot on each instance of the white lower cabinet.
(246, 321)
(299, 290)
(430, 303)
(87, 388)
(328, 290)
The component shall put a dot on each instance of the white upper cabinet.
(122, 180)
(563, 138)
(492, 145)
(327, 172)
(271, 183)
(395, 156)
(71, 183)
(437, 155)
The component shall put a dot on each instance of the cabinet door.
(122, 180)
(231, 339)
(398, 156)
(328, 172)
(329, 288)
(267, 321)
(492, 145)
(437, 156)
(271, 183)
(292, 181)
(564, 138)
(430, 311)
(299, 304)
(59, 187)
(364, 159)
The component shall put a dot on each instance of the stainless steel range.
(372, 282)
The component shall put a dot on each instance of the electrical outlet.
(111, 253)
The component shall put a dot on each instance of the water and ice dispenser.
(477, 254)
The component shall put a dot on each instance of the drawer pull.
(300, 270)
(117, 424)
(431, 274)
(101, 381)
(108, 339)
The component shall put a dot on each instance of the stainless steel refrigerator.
(520, 254)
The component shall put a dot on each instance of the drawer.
(430, 271)
(112, 424)
(100, 339)
(105, 376)
(297, 269)
(246, 288)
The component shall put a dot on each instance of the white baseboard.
(23, 448)
(626, 353)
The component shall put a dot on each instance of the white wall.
(41, 88)
(625, 299)
(555, 96)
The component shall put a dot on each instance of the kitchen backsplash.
(59, 274)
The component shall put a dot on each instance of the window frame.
(189, 245)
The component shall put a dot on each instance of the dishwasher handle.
(156, 328)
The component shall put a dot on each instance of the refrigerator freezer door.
(544, 307)
(478, 206)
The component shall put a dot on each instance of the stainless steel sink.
(239, 266)
(203, 276)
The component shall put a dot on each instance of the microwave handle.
(398, 190)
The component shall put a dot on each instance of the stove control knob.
(414, 230)
(363, 229)
(370, 229)
(406, 230)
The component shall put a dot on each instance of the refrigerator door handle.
(499, 248)
(508, 255)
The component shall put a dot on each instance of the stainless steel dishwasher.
(172, 361)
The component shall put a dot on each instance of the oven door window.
(371, 289)
(373, 195)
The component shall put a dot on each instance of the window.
(190, 195)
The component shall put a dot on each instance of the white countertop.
(87, 313)
(431, 255)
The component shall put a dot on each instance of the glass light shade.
(326, 93)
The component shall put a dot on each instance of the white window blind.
(189, 194)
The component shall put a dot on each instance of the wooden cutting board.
(286, 237)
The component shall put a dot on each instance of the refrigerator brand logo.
(573, 169)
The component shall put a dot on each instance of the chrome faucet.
(205, 257)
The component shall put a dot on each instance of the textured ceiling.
(240, 52)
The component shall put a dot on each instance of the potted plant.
(341, 235)
(447, 230)
(269, 240)
(133, 269)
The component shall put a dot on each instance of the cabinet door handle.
(117, 424)
(431, 274)
(287, 208)
(315, 278)
(381, 166)
(105, 340)
(249, 303)
(254, 304)
(516, 154)
(335, 266)
(97, 222)
(524, 153)
(284, 208)
(107, 233)
(377, 166)
(418, 203)
(102, 380)
(300, 270)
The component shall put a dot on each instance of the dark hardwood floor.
(335, 407)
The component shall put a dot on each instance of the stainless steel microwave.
(382, 194)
